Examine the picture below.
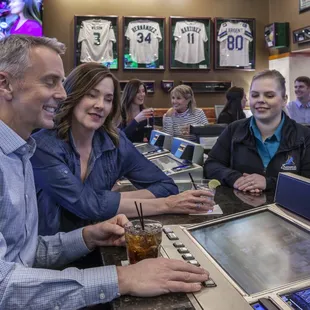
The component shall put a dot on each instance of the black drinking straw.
(139, 215)
(190, 175)
(142, 218)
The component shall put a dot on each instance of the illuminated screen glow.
(259, 251)
(166, 163)
(12, 13)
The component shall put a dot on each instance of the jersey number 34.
(142, 38)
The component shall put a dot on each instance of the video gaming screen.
(258, 306)
(260, 251)
(166, 163)
(299, 300)
(145, 148)
(21, 17)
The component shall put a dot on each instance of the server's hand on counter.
(254, 183)
(107, 233)
(191, 201)
(157, 276)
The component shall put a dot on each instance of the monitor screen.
(145, 148)
(299, 300)
(166, 163)
(270, 35)
(258, 306)
(259, 251)
(12, 14)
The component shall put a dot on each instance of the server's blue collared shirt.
(268, 148)
(299, 112)
(23, 287)
(57, 173)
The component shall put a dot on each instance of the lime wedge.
(213, 184)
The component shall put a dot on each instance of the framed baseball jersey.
(190, 43)
(96, 40)
(235, 44)
(144, 42)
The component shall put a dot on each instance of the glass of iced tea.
(141, 243)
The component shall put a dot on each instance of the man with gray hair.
(31, 74)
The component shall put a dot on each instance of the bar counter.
(230, 201)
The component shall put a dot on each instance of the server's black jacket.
(235, 153)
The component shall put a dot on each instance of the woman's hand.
(191, 201)
(144, 114)
(254, 183)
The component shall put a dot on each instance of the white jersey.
(234, 46)
(190, 37)
(144, 37)
(97, 37)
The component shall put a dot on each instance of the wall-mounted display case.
(144, 42)
(190, 42)
(234, 43)
(96, 40)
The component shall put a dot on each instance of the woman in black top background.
(233, 109)
(134, 112)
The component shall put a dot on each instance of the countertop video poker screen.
(145, 148)
(260, 251)
(21, 17)
(166, 163)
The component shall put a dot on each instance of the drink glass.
(204, 185)
(148, 121)
(142, 244)
(183, 129)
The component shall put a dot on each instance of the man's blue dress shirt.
(24, 287)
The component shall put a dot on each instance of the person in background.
(29, 19)
(299, 110)
(77, 163)
(31, 74)
(233, 109)
(250, 153)
(183, 113)
(134, 114)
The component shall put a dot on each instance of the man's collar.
(11, 142)
(299, 104)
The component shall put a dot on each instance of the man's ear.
(285, 99)
(6, 89)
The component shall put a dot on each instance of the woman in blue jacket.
(250, 153)
(77, 164)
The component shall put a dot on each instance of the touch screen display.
(21, 17)
(166, 163)
(299, 300)
(258, 306)
(145, 148)
(260, 251)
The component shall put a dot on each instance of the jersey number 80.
(235, 43)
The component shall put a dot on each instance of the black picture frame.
(190, 43)
(144, 30)
(304, 5)
(301, 35)
(235, 51)
(109, 24)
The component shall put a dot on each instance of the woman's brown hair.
(130, 91)
(78, 83)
